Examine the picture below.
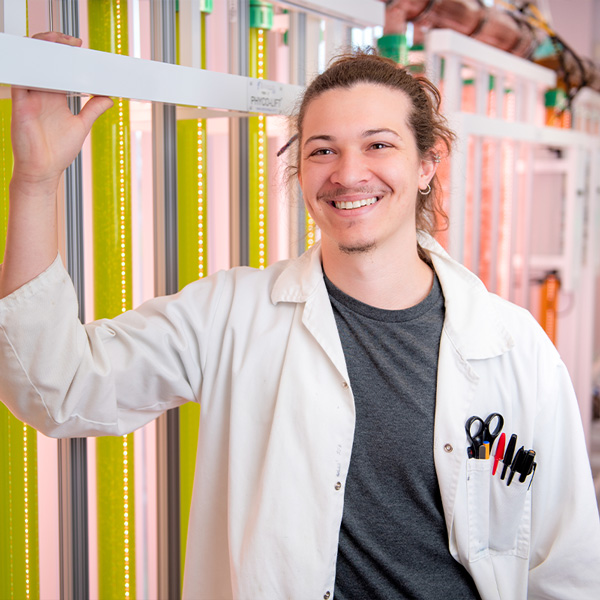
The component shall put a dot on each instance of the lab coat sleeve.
(565, 541)
(105, 378)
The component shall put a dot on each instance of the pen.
(508, 455)
(484, 450)
(499, 452)
(527, 465)
(517, 464)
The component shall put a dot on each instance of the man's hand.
(46, 136)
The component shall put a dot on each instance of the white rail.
(63, 68)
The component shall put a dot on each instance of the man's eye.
(379, 146)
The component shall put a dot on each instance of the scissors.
(483, 432)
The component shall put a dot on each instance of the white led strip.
(261, 161)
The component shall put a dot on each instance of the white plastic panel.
(446, 41)
(91, 72)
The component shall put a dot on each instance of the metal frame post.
(164, 125)
(72, 453)
(239, 26)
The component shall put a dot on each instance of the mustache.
(330, 195)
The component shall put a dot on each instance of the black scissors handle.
(491, 435)
(483, 433)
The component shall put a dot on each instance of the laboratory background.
(182, 178)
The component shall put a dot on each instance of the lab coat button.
(327, 595)
(448, 448)
(345, 385)
(338, 485)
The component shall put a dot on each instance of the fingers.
(48, 36)
(58, 37)
(17, 93)
(93, 108)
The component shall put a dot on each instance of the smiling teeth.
(355, 203)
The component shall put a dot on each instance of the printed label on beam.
(265, 97)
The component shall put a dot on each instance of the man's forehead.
(372, 107)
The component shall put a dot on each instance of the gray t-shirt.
(393, 540)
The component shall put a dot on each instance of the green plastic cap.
(261, 14)
(556, 98)
(394, 46)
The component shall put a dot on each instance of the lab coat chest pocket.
(499, 515)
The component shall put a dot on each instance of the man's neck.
(392, 281)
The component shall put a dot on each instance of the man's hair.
(429, 127)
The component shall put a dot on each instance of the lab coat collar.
(300, 278)
(472, 323)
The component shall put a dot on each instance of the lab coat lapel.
(302, 282)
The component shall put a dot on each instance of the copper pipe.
(509, 33)
(463, 16)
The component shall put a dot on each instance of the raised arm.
(46, 138)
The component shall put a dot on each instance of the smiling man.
(333, 458)
(360, 172)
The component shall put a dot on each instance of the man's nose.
(350, 170)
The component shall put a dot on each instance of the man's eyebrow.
(323, 137)
(370, 132)
(367, 133)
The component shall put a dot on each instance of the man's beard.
(363, 248)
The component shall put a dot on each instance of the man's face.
(360, 169)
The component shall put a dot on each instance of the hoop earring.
(426, 191)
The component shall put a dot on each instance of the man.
(335, 388)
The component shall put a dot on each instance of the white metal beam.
(44, 65)
(446, 41)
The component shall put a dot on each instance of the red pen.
(499, 452)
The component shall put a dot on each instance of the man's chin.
(363, 248)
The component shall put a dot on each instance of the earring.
(426, 191)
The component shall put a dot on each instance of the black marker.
(517, 464)
(508, 455)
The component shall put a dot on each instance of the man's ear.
(428, 169)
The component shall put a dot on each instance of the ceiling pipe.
(509, 31)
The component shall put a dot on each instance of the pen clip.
(533, 468)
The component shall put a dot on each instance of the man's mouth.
(350, 204)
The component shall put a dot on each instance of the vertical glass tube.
(192, 188)
(111, 189)
(19, 557)
(257, 158)
(192, 246)
(19, 551)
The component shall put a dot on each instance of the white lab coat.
(260, 350)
